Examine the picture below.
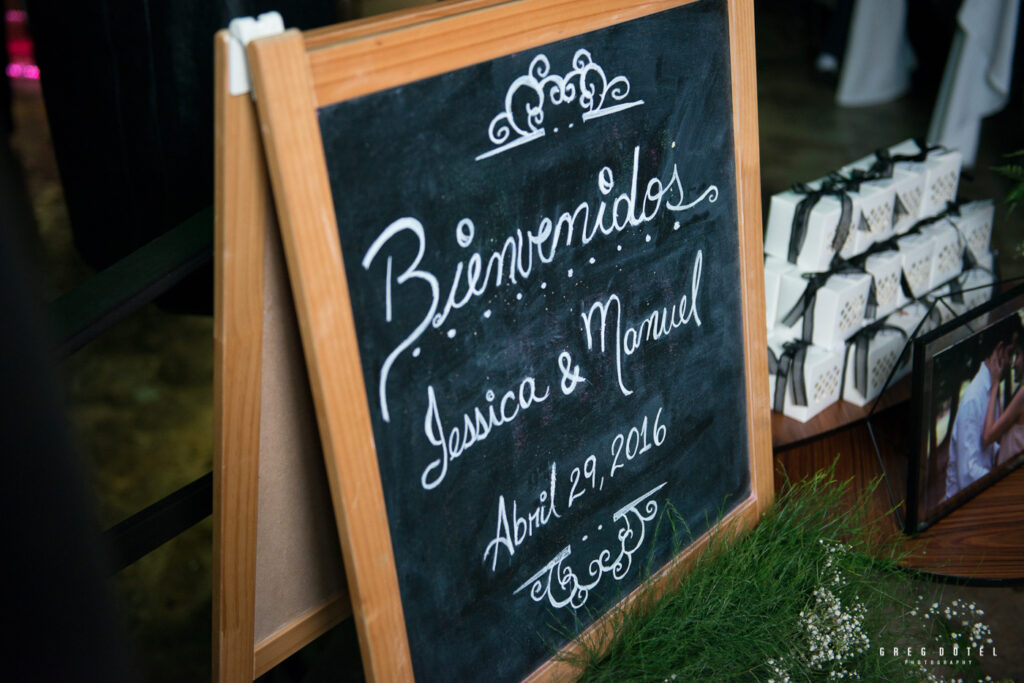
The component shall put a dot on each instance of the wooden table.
(983, 540)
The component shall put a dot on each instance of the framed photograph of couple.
(968, 410)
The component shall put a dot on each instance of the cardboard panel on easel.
(299, 572)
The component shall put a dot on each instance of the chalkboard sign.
(538, 370)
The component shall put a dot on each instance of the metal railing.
(92, 308)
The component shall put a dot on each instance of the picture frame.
(953, 395)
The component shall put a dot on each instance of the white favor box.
(823, 371)
(885, 267)
(907, 319)
(838, 307)
(987, 261)
(975, 226)
(816, 253)
(858, 241)
(975, 287)
(873, 206)
(947, 252)
(941, 172)
(774, 268)
(916, 252)
(907, 187)
(884, 350)
(910, 316)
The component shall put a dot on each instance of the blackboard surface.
(549, 327)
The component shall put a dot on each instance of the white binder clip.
(243, 30)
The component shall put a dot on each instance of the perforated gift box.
(774, 268)
(970, 290)
(822, 376)
(917, 316)
(947, 252)
(885, 267)
(910, 316)
(941, 171)
(871, 355)
(975, 226)
(859, 239)
(839, 300)
(916, 252)
(816, 251)
(873, 205)
(907, 187)
(986, 261)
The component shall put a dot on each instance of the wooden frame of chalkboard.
(277, 584)
(365, 139)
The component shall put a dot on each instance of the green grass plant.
(813, 577)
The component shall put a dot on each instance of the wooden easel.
(278, 579)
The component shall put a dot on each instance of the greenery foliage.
(1015, 172)
(1015, 195)
(811, 593)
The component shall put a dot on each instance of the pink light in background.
(19, 47)
(29, 71)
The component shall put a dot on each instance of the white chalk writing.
(561, 585)
(513, 261)
(657, 325)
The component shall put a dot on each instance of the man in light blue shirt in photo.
(968, 459)
(970, 456)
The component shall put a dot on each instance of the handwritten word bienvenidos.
(514, 260)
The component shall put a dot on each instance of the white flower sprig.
(833, 632)
(967, 631)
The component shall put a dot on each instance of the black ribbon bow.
(859, 263)
(952, 209)
(885, 161)
(798, 234)
(861, 347)
(804, 306)
(956, 291)
(791, 360)
(815, 281)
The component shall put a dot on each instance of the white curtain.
(976, 82)
(878, 59)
